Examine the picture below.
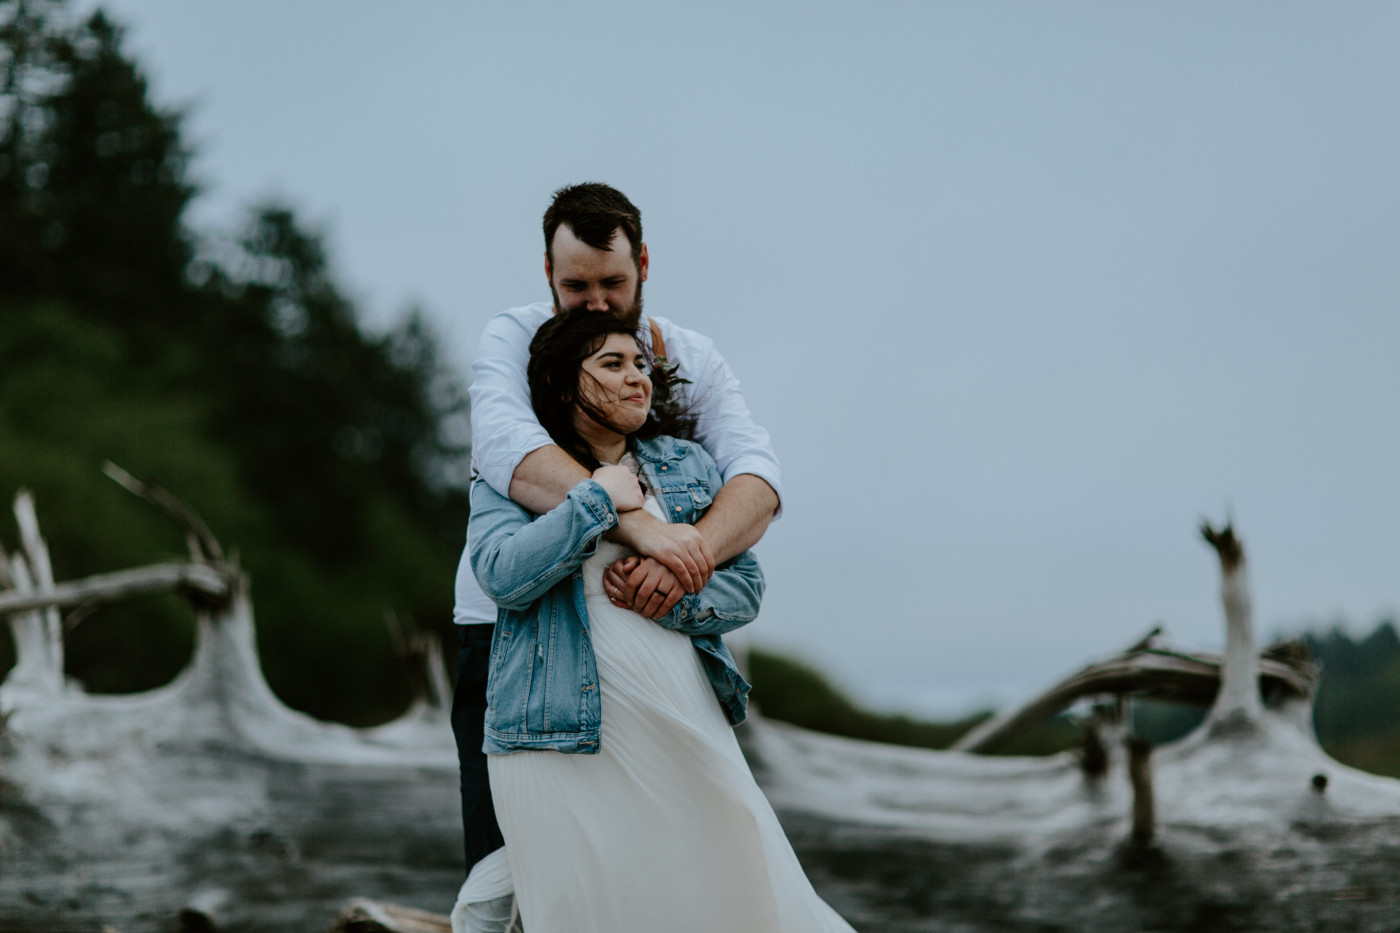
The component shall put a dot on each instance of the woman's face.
(614, 382)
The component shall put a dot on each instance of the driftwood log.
(1144, 670)
(207, 804)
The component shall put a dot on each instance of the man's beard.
(631, 315)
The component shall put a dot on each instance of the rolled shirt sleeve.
(724, 425)
(504, 427)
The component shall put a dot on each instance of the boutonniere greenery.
(665, 378)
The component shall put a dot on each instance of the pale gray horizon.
(1022, 291)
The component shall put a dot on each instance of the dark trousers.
(481, 834)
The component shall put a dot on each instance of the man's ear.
(548, 277)
(643, 263)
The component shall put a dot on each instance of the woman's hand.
(622, 487)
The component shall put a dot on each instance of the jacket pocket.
(700, 496)
(500, 638)
(686, 502)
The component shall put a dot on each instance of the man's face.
(597, 279)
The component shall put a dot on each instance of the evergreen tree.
(93, 176)
(231, 367)
(1360, 691)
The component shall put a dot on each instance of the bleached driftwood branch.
(31, 600)
(1172, 675)
(1233, 686)
(207, 799)
(212, 582)
(1239, 677)
(362, 915)
(36, 550)
(38, 632)
(201, 541)
(1140, 776)
(420, 653)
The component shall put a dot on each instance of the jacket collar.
(659, 449)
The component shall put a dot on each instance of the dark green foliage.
(1051, 735)
(795, 692)
(1161, 722)
(92, 175)
(230, 368)
(1357, 712)
(68, 401)
(315, 409)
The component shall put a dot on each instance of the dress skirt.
(663, 829)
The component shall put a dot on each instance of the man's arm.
(546, 475)
(504, 426)
(544, 478)
(735, 521)
(724, 426)
(738, 517)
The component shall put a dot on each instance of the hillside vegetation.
(1357, 710)
(229, 365)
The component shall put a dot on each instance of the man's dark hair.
(593, 211)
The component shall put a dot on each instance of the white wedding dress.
(664, 829)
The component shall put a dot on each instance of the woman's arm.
(516, 557)
(731, 599)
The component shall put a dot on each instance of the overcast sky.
(1021, 290)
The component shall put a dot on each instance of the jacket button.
(678, 508)
(663, 468)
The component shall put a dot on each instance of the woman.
(624, 800)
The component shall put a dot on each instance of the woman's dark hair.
(557, 353)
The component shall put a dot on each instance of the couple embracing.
(620, 482)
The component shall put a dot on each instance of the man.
(595, 258)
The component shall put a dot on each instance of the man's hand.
(679, 547)
(644, 585)
(621, 486)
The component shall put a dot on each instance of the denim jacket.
(542, 687)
